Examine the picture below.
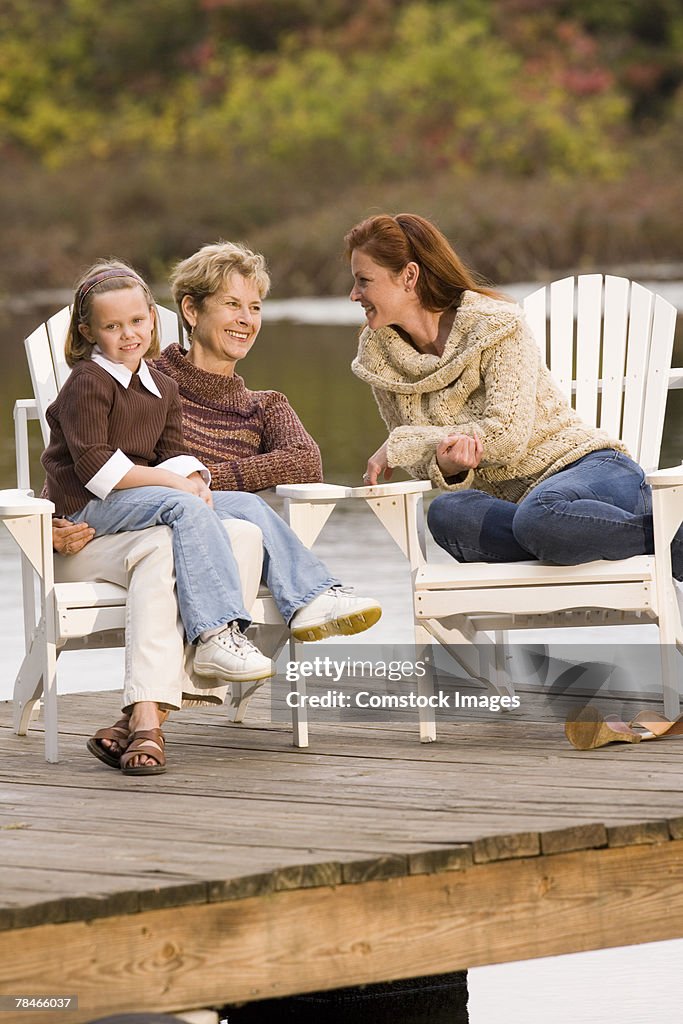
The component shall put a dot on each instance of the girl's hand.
(152, 476)
(458, 453)
(197, 486)
(378, 464)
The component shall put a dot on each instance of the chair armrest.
(25, 409)
(387, 490)
(313, 492)
(29, 407)
(671, 477)
(18, 502)
(309, 506)
(399, 508)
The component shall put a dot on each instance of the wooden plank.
(291, 815)
(391, 866)
(661, 349)
(676, 828)
(588, 342)
(313, 939)
(576, 837)
(42, 374)
(535, 311)
(562, 334)
(638, 832)
(57, 328)
(614, 333)
(504, 847)
(457, 858)
(639, 328)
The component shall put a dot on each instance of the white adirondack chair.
(71, 616)
(608, 343)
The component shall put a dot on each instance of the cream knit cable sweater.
(490, 380)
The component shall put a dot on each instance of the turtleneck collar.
(214, 390)
(387, 361)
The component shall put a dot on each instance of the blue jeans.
(597, 507)
(291, 571)
(207, 578)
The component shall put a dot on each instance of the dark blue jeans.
(598, 507)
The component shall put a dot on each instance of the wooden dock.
(252, 870)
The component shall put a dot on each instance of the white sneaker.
(231, 656)
(336, 612)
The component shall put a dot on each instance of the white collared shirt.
(122, 374)
(116, 467)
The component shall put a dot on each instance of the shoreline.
(665, 279)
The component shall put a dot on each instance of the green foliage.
(161, 124)
(442, 89)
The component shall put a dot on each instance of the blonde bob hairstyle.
(207, 271)
(104, 276)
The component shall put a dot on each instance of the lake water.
(310, 363)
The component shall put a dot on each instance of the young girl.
(116, 461)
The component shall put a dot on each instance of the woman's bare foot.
(107, 745)
(144, 716)
(117, 746)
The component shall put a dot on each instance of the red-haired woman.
(470, 405)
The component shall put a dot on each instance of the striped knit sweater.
(92, 416)
(249, 440)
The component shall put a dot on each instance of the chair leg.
(425, 685)
(50, 651)
(28, 685)
(665, 522)
(270, 639)
(503, 657)
(299, 709)
(670, 659)
(499, 664)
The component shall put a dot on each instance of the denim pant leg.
(475, 527)
(291, 571)
(207, 577)
(598, 507)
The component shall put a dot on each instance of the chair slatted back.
(48, 367)
(608, 344)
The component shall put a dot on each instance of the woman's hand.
(378, 464)
(458, 453)
(69, 538)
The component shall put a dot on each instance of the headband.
(104, 275)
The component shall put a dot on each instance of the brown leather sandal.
(149, 742)
(119, 733)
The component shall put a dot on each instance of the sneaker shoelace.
(234, 639)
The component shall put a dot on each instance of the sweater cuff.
(185, 465)
(440, 481)
(105, 479)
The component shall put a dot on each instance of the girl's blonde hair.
(207, 270)
(103, 276)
